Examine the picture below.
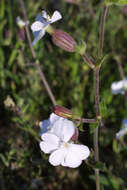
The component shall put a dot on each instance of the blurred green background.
(22, 164)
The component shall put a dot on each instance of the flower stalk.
(89, 62)
(96, 90)
(101, 39)
(37, 64)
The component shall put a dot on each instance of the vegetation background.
(22, 164)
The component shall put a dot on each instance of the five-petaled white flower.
(57, 142)
(119, 87)
(123, 130)
(42, 21)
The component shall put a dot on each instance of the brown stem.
(45, 83)
(86, 58)
(84, 120)
(27, 28)
(98, 115)
(87, 4)
(121, 70)
(43, 78)
(101, 39)
(96, 90)
(96, 155)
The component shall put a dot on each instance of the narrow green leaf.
(116, 2)
(102, 60)
(2, 8)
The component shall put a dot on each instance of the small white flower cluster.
(119, 87)
(57, 134)
(41, 23)
(123, 131)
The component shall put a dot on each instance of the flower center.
(66, 145)
(63, 144)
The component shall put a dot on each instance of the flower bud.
(63, 40)
(62, 112)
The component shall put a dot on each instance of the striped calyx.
(62, 112)
(63, 40)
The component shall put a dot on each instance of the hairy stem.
(42, 76)
(101, 39)
(96, 155)
(84, 120)
(96, 90)
(122, 74)
(86, 58)
(96, 148)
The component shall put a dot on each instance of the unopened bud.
(66, 113)
(62, 112)
(63, 40)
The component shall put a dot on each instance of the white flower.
(119, 87)
(123, 130)
(42, 21)
(47, 125)
(57, 142)
(20, 22)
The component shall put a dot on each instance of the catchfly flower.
(119, 87)
(57, 142)
(41, 23)
(123, 130)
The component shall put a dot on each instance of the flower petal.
(125, 84)
(76, 154)
(36, 26)
(38, 36)
(64, 129)
(57, 157)
(53, 118)
(40, 18)
(116, 87)
(45, 126)
(49, 137)
(47, 148)
(50, 142)
(125, 122)
(44, 14)
(56, 16)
